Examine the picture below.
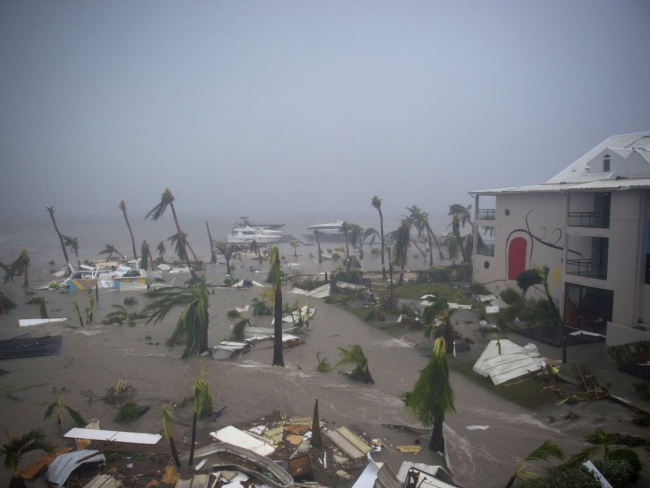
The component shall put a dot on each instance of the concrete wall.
(618, 334)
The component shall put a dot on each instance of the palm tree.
(161, 250)
(376, 203)
(5, 304)
(432, 396)
(455, 228)
(355, 356)
(57, 407)
(110, 250)
(122, 207)
(168, 415)
(202, 405)
(193, 323)
(166, 200)
(274, 259)
(227, 250)
(538, 276)
(21, 262)
(400, 250)
(356, 235)
(420, 220)
(213, 253)
(544, 452)
(50, 209)
(600, 440)
(438, 309)
(15, 448)
(255, 248)
(180, 250)
(320, 253)
(464, 213)
(295, 246)
(344, 228)
(451, 243)
(73, 244)
(145, 253)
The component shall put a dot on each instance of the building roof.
(577, 176)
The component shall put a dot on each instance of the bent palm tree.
(344, 228)
(16, 448)
(145, 253)
(538, 276)
(420, 220)
(180, 250)
(22, 262)
(464, 213)
(110, 250)
(255, 249)
(73, 244)
(213, 253)
(455, 228)
(376, 203)
(544, 452)
(122, 207)
(50, 209)
(193, 323)
(356, 235)
(400, 250)
(167, 200)
(275, 273)
(202, 405)
(432, 396)
(168, 415)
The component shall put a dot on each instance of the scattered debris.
(344, 475)
(171, 475)
(300, 468)
(320, 292)
(105, 481)
(38, 466)
(30, 322)
(570, 416)
(236, 437)
(478, 427)
(197, 481)
(503, 360)
(409, 449)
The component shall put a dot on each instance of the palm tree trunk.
(196, 260)
(26, 269)
(65, 253)
(437, 442)
(204, 339)
(17, 481)
(390, 266)
(316, 437)
(196, 415)
(418, 248)
(381, 227)
(151, 260)
(430, 249)
(135, 254)
(431, 234)
(278, 359)
(347, 250)
(120, 255)
(400, 282)
(320, 253)
(460, 243)
(181, 236)
(172, 444)
(511, 482)
(213, 254)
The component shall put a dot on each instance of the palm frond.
(50, 410)
(15, 266)
(202, 394)
(238, 330)
(6, 302)
(76, 417)
(159, 209)
(546, 451)
(16, 447)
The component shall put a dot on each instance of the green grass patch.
(528, 393)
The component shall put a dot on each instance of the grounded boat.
(331, 228)
(246, 235)
(247, 223)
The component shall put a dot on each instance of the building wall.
(538, 219)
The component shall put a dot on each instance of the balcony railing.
(588, 219)
(586, 268)
(485, 250)
(485, 214)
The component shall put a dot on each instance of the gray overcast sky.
(283, 107)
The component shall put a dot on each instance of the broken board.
(38, 466)
(114, 436)
(345, 445)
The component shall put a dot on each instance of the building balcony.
(486, 214)
(588, 219)
(485, 250)
(586, 268)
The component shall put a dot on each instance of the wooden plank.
(354, 439)
(345, 445)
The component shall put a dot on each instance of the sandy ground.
(96, 356)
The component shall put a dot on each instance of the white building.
(589, 225)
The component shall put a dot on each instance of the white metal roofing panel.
(113, 436)
(236, 437)
(28, 322)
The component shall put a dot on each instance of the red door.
(516, 257)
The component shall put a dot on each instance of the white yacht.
(332, 228)
(245, 235)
